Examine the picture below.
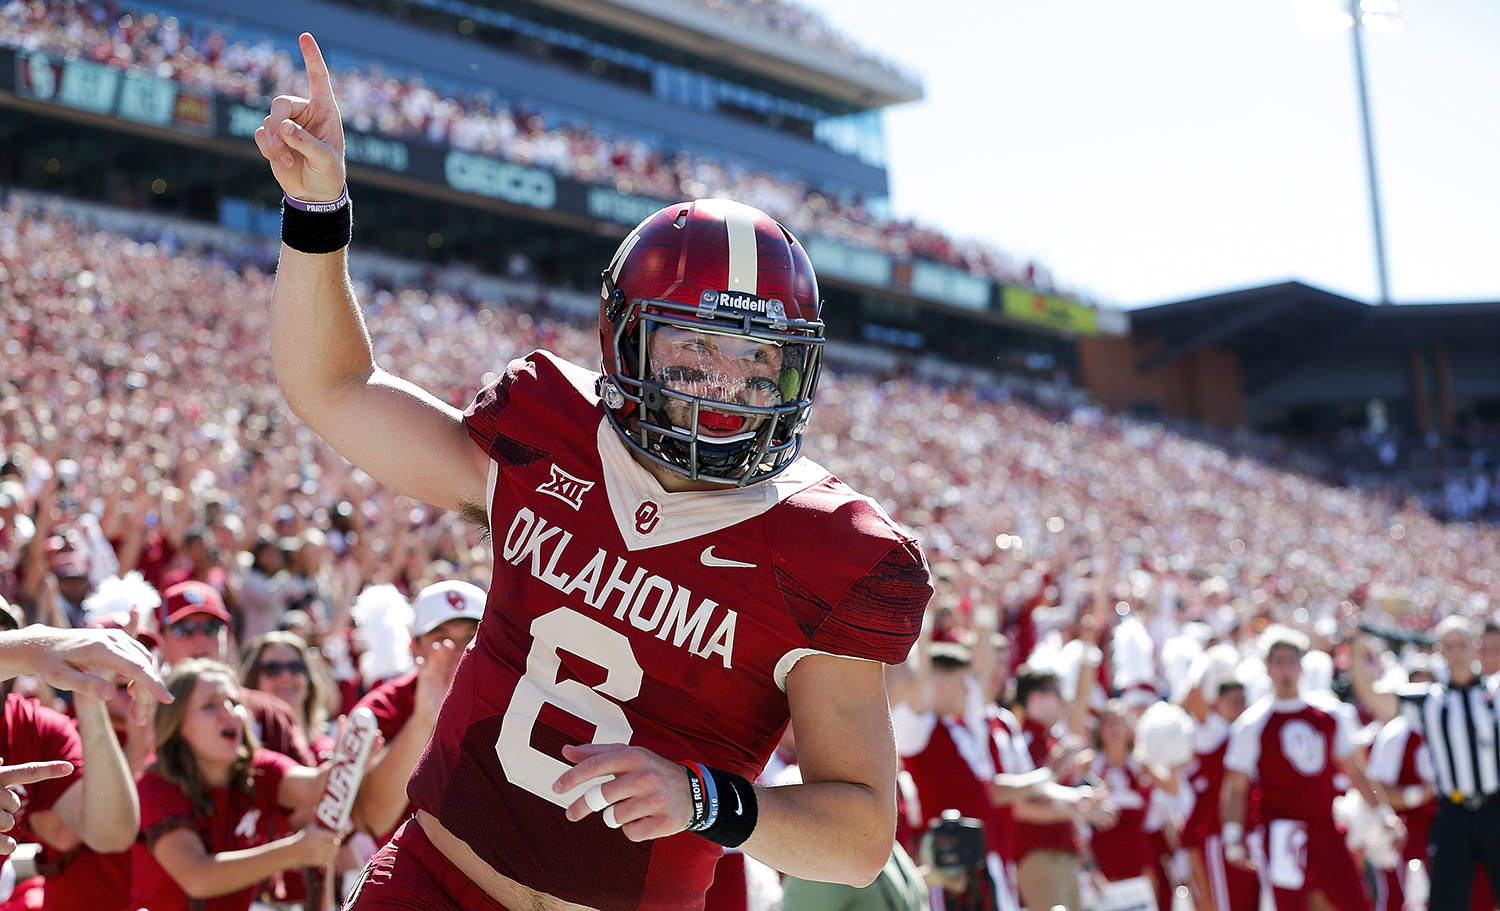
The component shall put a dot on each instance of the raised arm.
(382, 793)
(1382, 705)
(320, 347)
(82, 660)
(101, 807)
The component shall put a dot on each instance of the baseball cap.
(187, 598)
(438, 603)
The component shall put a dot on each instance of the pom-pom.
(1211, 669)
(1132, 655)
(1164, 735)
(1178, 655)
(1363, 831)
(114, 595)
(1317, 671)
(385, 618)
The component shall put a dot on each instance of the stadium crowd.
(373, 99)
(142, 434)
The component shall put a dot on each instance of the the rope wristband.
(724, 806)
(317, 227)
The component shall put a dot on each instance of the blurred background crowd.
(142, 431)
(377, 100)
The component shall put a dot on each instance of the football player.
(672, 582)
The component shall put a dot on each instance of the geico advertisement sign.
(500, 180)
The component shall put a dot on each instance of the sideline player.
(672, 582)
(1293, 749)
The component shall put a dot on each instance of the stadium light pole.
(1364, 113)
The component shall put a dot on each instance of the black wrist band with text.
(317, 227)
(724, 805)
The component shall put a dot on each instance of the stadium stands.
(148, 370)
(471, 118)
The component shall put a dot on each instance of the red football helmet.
(712, 344)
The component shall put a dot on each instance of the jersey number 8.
(567, 630)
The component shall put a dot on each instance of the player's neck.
(671, 480)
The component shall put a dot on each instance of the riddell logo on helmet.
(740, 302)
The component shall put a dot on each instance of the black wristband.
(724, 805)
(317, 232)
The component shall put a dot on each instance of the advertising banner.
(949, 285)
(129, 94)
(1049, 310)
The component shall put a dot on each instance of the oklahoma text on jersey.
(653, 604)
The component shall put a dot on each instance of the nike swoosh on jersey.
(710, 560)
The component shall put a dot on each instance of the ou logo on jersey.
(646, 517)
(1304, 746)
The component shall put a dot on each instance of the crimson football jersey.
(1398, 760)
(1290, 749)
(621, 613)
(951, 760)
(1206, 775)
(1052, 836)
(1124, 849)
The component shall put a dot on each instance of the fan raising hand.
(303, 138)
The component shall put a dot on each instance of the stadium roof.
(754, 48)
(1277, 327)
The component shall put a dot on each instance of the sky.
(1149, 151)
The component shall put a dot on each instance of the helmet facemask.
(719, 392)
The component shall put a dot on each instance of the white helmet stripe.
(744, 265)
(624, 253)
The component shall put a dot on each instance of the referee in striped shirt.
(1460, 723)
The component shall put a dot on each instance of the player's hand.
(1067, 756)
(1099, 811)
(1393, 824)
(436, 666)
(316, 846)
(87, 660)
(639, 792)
(13, 777)
(303, 138)
(1236, 856)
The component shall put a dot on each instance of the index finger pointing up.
(319, 86)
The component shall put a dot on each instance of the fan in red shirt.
(93, 805)
(81, 877)
(1293, 749)
(446, 616)
(214, 806)
(195, 624)
(280, 664)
